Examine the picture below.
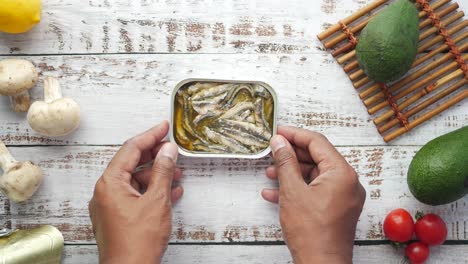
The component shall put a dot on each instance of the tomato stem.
(419, 215)
(397, 245)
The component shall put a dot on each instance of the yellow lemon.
(19, 16)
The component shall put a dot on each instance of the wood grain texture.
(202, 26)
(275, 254)
(123, 91)
(122, 95)
(222, 200)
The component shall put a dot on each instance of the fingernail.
(277, 143)
(169, 150)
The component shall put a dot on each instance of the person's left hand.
(131, 226)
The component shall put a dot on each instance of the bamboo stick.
(439, 38)
(418, 61)
(376, 97)
(361, 82)
(342, 49)
(442, 107)
(418, 95)
(346, 57)
(441, 48)
(356, 74)
(440, 14)
(422, 36)
(423, 24)
(380, 95)
(371, 89)
(366, 79)
(342, 36)
(354, 64)
(421, 83)
(333, 29)
(444, 23)
(395, 87)
(351, 66)
(423, 105)
(331, 43)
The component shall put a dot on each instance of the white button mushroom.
(20, 180)
(56, 116)
(16, 78)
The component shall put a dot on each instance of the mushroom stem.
(20, 180)
(52, 90)
(6, 159)
(20, 102)
(55, 116)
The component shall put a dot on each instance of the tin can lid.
(4, 232)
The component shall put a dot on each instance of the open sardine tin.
(223, 118)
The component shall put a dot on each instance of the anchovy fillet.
(244, 115)
(248, 127)
(210, 148)
(259, 115)
(261, 91)
(238, 108)
(212, 91)
(232, 144)
(232, 94)
(195, 88)
(244, 137)
(208, 104)
(187, 116)
(211, 114)
(180, 133)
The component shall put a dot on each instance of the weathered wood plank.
(122, 95)
(222, 200)
(202, 26)
(275, 254)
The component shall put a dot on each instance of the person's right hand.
(319, 218)
(132, 226)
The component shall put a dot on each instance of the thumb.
(163, 171)
(286, 163)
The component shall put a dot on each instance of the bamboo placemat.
(439, 67)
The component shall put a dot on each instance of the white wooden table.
(121, 59)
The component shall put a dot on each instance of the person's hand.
(320, 197)
(131, 226)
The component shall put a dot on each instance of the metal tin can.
(189, 153)
(42, 245)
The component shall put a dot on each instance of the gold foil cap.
(42, 245)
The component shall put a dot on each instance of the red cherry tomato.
(417, 252)
(398, 226)
(431, 230)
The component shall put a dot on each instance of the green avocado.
(388, 44)
(438, 173)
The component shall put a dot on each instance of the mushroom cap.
(16, 76)
(55, 119)
(21, 181)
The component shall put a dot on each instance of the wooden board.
(202, 26)
(240, 216)
(122, 95)
(197, 254)
(120, 60)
